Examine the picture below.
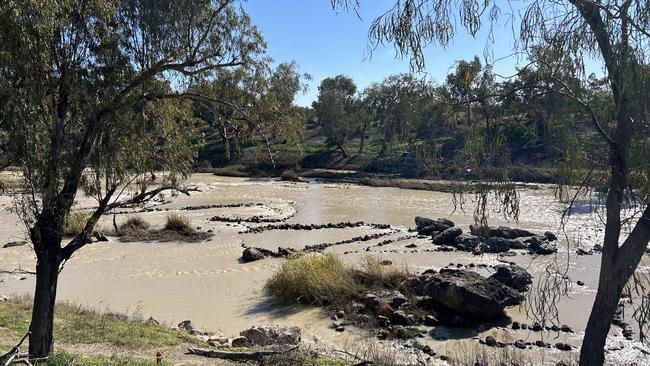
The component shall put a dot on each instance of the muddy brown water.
(207, 283)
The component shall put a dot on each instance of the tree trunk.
(363, 138)
(600, 319)
(41, 340)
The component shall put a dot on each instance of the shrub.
(179, 223)
(290, 176)
(134, 226)
(313, 279)
(75, 222)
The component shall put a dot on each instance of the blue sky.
(325, 43)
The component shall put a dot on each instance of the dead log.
(236, 356)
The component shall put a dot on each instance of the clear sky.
(325, 43)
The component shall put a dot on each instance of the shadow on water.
(274, 309)
(459, 333)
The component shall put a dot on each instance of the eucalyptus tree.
(258, 93)
(613, 32)
(397, 102)
(336, 110)
(96, 101)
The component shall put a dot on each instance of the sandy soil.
(207, 283)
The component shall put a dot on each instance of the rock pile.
(485, 239)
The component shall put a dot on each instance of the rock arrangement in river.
(485, 239)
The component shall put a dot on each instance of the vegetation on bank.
(77, 325)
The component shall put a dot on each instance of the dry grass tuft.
(135, 226)
(179, 223)
(376, 272)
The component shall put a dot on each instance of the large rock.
(540, 245)
(447, 236)
(428, 226)
(466, 242)
(251, 255)
(470, 295)
(422, 222)
(514, 276)
(495, 245)
(272, 335)
(500, 231)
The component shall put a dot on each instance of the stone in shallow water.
(470, 295)
(251, 255)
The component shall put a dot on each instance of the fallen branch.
(212, 353)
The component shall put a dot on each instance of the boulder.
(469, 294)
(516, 244)
(186, 326)
(500, 231)
(495, 245)
(240, 342)
(447, 236)
(550, 236)
(514, 276)
(427, 226)
(272, 335)
(251, 255)
(422, 222)
(428, 230)
(466, 242)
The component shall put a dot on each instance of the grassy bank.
(107, 336)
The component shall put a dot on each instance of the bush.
(75, 223)
(313, 279)
(134, 226)
(179, 223)
(290, 176)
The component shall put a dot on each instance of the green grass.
(311, 278)
(67, 359)
(78, 325)
(325, 279)
(75, 222)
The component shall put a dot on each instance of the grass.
(313, 279)
(177, 228)
(325, 279)
(67, 359)
(375, 272)
(179, 223)
(75, 324)
(134, 226)
(75, 222)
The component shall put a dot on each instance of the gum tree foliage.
(93, 97)
(615, 33)
(257, 94)
(336, 110)
(397, 103)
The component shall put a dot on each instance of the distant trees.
(94, 95)
(337, 110)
